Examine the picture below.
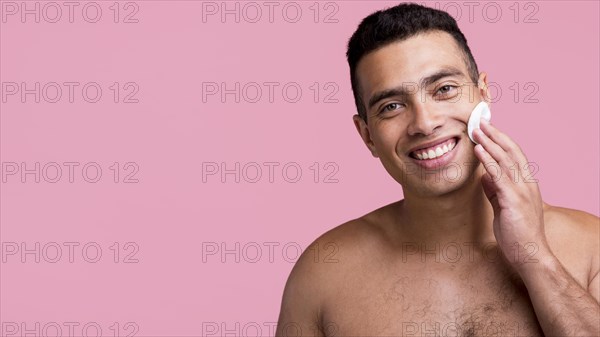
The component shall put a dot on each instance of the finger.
(506, 143)
(492, 167)
(498, 187)
(524, 167)
(490, 189)
(494, 150)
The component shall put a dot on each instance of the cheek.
(388, 136)
(466, 109)
(458, 108)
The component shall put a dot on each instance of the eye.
(447, 90)
(391, 106)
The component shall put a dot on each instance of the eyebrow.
(402, 91)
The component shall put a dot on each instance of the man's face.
(417, 92)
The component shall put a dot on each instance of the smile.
(436, 151)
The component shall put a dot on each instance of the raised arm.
(562, 305)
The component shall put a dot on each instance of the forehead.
(408, 61)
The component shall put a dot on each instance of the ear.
(484, 89)
(363, 131)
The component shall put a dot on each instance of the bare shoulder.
(322, 270)
(574, 237)
(574, 226)
(344, 246)
(341, 248)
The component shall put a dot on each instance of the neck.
(462, 216)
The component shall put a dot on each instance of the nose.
(424, 119)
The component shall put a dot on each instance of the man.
(471, 250)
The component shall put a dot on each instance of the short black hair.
(396, 24)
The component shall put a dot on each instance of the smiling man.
(472, 249)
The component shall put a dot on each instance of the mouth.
(436, 151)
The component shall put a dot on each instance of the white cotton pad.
(481, 111)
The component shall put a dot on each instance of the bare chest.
(485, 301)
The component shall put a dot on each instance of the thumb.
(490, 189)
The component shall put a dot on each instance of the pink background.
(171, 212)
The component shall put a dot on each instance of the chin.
(438, 183)
(435, 189)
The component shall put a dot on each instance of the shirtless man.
(471, 252)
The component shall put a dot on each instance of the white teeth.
(439, 151)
